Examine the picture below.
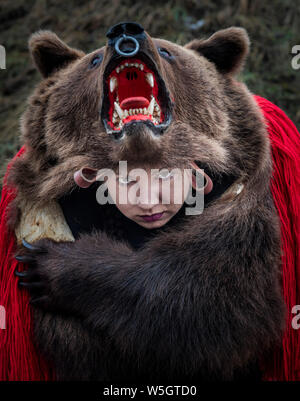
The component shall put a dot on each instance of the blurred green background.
(273, 26)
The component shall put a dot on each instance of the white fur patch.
(43, 222)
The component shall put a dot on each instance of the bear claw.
(31, 247)
(24, 258)
(21, 274)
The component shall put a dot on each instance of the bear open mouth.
(134, 91)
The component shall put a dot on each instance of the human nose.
(149, 195)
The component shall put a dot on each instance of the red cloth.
(19, 359)
(285, 186)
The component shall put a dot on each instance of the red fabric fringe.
(285, 186)
(19, 359)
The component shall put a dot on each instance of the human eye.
(165, 174)
(126, 180)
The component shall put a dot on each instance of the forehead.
(157, 41)
(147, 167)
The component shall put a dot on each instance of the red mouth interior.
(133, 93)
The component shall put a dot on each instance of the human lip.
(152, 217)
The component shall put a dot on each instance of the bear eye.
(165, 53)
(96, 61)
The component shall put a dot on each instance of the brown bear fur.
(201, 300)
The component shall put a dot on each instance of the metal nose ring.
(132, 39)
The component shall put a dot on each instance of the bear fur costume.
(201, 299)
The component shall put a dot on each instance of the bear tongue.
(135, 102)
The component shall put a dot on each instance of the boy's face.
(148, 198)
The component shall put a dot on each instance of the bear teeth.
(150, 79)
(151, 106)
(119, 110)
(128, 65)
(152, 110)
(113, 83)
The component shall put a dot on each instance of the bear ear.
(49, 53)
(227, 49)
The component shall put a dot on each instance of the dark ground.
(273, 26)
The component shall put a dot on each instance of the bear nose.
(126, 38)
